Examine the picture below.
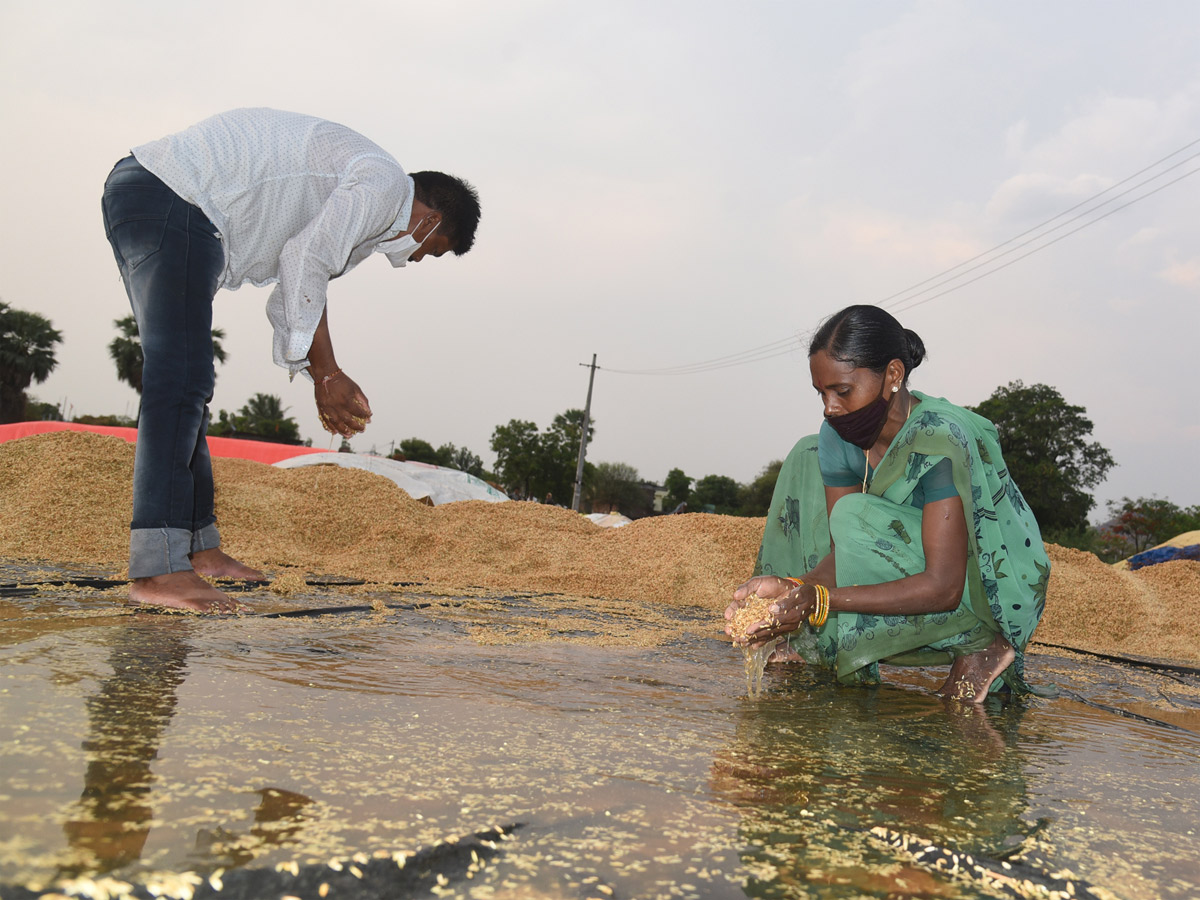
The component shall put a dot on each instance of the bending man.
(253, 196)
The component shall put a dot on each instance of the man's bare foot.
(180, 590)
(216, 563)
(971, 676)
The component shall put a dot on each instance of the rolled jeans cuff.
(206, 538)
(159, 551)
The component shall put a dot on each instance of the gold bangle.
(820, 612)
(796, 581)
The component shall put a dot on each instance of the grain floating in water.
(65, 498)
(756, 609)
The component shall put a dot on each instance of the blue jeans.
(171, 260)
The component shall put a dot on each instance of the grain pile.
(65, 498)
(1152, 612)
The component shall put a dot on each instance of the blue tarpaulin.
(1163, 554)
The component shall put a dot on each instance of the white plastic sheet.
(609, 520)
(418, 480)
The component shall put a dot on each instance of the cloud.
(890, 239)
(1182, 273)
(1037, 196)
(662, 183)
(1103, 147)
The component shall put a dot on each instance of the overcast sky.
(663, 184)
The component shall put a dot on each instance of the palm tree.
(26, 355)
(265, 415)
(126, 351)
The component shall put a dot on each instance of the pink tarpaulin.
(259, 451)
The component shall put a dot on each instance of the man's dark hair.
(867, 337)
(456, 200)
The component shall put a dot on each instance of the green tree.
(37, 411)
(1045, 444)
(417, 450)
(541, 465)
(447, 456)
(26, 356)
(716, 494)
(560, 456)
(110, 420)
(756, 496)
(1149, 521)
(679, 489)
(617, 487)
(264, 416)
(517, 446)
(460, 458)
(125, 350)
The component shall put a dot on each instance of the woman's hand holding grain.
(788, 613)
(342, 406)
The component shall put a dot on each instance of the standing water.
(499, 749)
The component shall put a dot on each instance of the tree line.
(1046, 441)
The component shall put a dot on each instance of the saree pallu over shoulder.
(1008, 569)
(796, 536)
(878, 539)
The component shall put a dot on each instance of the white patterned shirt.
(297, 200)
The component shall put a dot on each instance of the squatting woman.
(896, 534)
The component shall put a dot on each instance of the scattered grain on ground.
(65, 498)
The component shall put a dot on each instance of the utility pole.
(587, 417)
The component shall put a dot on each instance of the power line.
(903, 303)
(1065, 212)
(914, 303)
(756, 354)
(912, 296)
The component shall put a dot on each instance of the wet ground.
(407, 744)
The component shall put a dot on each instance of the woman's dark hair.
(456, 200)
(866, 337)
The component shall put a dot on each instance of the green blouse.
(843, 465)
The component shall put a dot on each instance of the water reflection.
(279, 818)
(814, 767)
(646, 768)
(127, 718)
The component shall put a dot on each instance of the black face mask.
(861, 427)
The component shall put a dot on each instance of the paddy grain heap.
(65, 498)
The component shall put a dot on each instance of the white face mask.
(400, 249)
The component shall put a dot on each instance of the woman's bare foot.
(216, 563)
(972, 722)
(180, 590)
(783, 653)
(971, 676)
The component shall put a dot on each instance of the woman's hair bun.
(868, 337)
(916, 349)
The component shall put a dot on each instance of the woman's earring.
(895, 388)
